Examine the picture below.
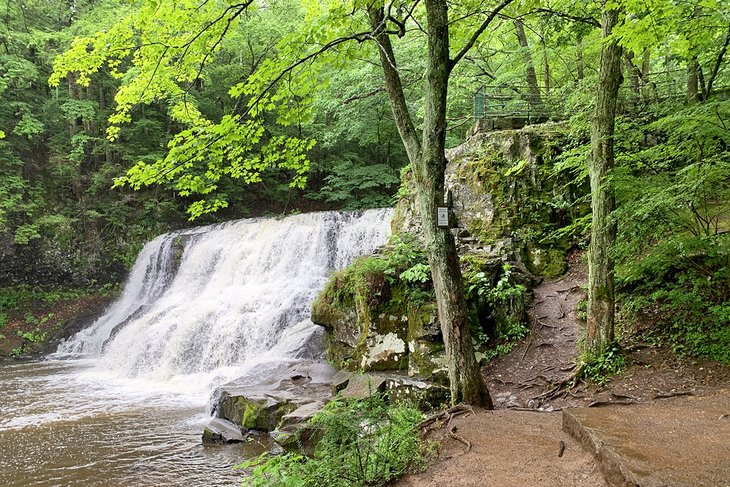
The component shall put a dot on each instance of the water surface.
(65, 424)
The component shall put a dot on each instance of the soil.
(518, 443)
(57, 321)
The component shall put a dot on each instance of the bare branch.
(575, 18)
(475, 36)
(718, 62)
(362, 96)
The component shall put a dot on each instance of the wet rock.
(340, 380)
(384, 351)
(400, 388)
(423, 394)
(361, 386)
(294, 431)
(277, 394)
(222, 431)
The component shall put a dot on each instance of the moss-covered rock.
(508, 199)
(550, 263)
(274, 395)
(255, 413)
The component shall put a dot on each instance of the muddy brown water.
(64, 423)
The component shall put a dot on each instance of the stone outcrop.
(507, 198)
(376, 327)
(268, 398)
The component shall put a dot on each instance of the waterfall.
(207, 298)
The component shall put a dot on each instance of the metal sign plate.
(442, 217)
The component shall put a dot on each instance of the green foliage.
(402, 263)
(673, 250)
(601, 368)
(362, 443)
(495, 308)
(352, 185)
(682, 290)
(30, 338)
(479, 287)
(581, 309)
(416, 274)
(406, 258)
(15, 296)
(33, 336)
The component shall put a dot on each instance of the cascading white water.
(200, 307)
(213, 297)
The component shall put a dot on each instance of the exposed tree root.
(545, 325)
(442, 418)
(460, 439)
(598, 404)
(666, 395)
(624, 396)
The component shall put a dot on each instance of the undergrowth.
(362, 443)
(679, 294)
(600, 368)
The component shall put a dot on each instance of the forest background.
(68, 226)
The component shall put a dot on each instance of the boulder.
(400, 388)
(222, 431)
(271, 395)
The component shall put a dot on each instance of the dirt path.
(509, 449)
(533, 375)
(517, 445)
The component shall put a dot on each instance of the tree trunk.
(693, 91)
(546, 69)
(581, 65)
(645, 66)
(600, 323)
(530, 74)
(429, 163)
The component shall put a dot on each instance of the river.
(64, 423)
(124, 402)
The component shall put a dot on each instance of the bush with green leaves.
(673, 249)
(496, 309)
(362, 443)
(600, 368)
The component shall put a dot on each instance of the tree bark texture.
(428, 159)
(693, 83)
(530, 74)
(600, 323)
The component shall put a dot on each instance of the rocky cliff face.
(508, 198)
(43, 263)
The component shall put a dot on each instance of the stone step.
(679, 442)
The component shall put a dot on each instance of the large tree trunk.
(600, 325)
(428, 159)
(530, 74)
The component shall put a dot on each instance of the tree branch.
(718, 62)
(584, 20)
(393, 83)
(475, 36)
(362, 96)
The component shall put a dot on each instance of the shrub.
(363, 443)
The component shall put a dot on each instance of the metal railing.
(507, 105)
